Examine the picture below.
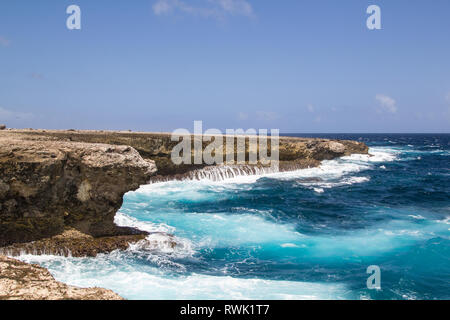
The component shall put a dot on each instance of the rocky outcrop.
(295, 153)
(73, 243)
(46, 186)
(22, 281)
(54, 180)
(60, 191)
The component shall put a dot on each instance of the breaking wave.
(304, 234)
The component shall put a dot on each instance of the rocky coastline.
(60, 191)
(23, 281)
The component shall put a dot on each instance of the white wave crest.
(331, 173)
(160, 240)
(124, 220)
(143, 282)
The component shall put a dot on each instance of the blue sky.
(294, 65)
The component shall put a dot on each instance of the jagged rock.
(47, 185)
(329, 150)
(73, 243)
(50, 180)
(22, 281)
(302, 152)
(60, 190)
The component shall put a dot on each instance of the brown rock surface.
(60, 190)
(22, 281)
(303, 152)
(51, 180)
(72, 243)
(46, 186)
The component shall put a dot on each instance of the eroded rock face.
(46, 186)
(295, 153)
(73, 243)
(22, 281)
(50, 180)
(60, 190)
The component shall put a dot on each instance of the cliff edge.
(47, 186)
(60, 191)
(52, 182)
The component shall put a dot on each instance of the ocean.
(306, 234)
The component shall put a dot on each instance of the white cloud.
(4, 42)
(162, 7)
(237, 7)
(242, 116)
(387, 103)
(267, 115)
(258, 115)
(206, 8)
(310, 108)
(7, 115)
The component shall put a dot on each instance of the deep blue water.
(298, 235)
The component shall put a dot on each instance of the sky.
(308, 66)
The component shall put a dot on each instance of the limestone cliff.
(51, 181)
(295, 153)
(46, 186)
(60, 191)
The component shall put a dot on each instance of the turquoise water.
(308, 234)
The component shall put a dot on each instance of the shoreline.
(24, 281)
(60, 189)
